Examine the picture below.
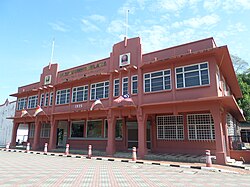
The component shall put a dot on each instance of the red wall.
(239, 154)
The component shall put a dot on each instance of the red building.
(183, 101)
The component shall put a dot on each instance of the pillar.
(36, 141)
(110, 149)
(224, 125)
(53, 135)
(153, 133)
(219, 138)
(14, 134)
(142, 133)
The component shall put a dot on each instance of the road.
(22, 169)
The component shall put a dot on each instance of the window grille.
(170, 127)
(45, 130)
(200, 127)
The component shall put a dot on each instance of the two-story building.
(183, 101)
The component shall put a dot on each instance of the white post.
(46, 148)
(208, 159)
(90, 151)
(67, 149)
(134, 154)
(28, 147)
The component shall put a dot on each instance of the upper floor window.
(194, 75)
(32, 101)
(62, 96)
(51, 98)
(80, 94)
(157, 81)
(124, 85)
(100, 90)
(116, 87)
(46, 99)
(134, 87)
(42, 100)
(21, 103)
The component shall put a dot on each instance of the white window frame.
(75, 90)
(163, 78)
(21, 103)
(51, 98)
(105, 89)
(31, 99)
(58, 96)
(116, 84)
(199, 71)
(125, 85)
(132, 84)
(170, 123)
(45, 130)
(32, 130)
(42, 100)
(193, 129)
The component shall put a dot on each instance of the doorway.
(132, 134)
(62, 134)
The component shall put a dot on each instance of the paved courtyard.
(22, 169)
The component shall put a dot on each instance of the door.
(62, 133)
(132, 134)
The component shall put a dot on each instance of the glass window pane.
(94, 129)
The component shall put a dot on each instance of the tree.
(240, 65)
(244, 102)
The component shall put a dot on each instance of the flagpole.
(52, 53)
(126, 32)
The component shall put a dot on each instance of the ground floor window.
(245, 135)
(77, 129)
(32, 130)
(45, 130)
(118, 129)
(200, 127)
(170, 127)
(94, 129)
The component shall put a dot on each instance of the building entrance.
(132, 134)
(62, 133)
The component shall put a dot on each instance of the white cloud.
(87, 26)
(59, 26)
(211, 5)
(235, 5)
(116, 27)
(197, 22)
(98, 18)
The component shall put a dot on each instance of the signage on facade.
(85, 68)
(47, 80)
(124, 59)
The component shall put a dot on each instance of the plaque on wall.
(47, 79)
(124, 59)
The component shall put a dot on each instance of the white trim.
(95, 90)
(199, 71)
(60, 96)
(123, 85)
(85, 87)
(132, 84)
(114, 84)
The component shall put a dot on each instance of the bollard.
(7, 146)
(67, 149)
(45, 148)
(28, 147)
(134, 154)
(90, 151)
(208, 159)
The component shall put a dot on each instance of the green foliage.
(244, 103)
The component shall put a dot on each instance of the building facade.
(6, 110)
(181, 101)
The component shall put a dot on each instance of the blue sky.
(85, 30)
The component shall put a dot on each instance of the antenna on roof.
(126, 34)
(52, 53)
